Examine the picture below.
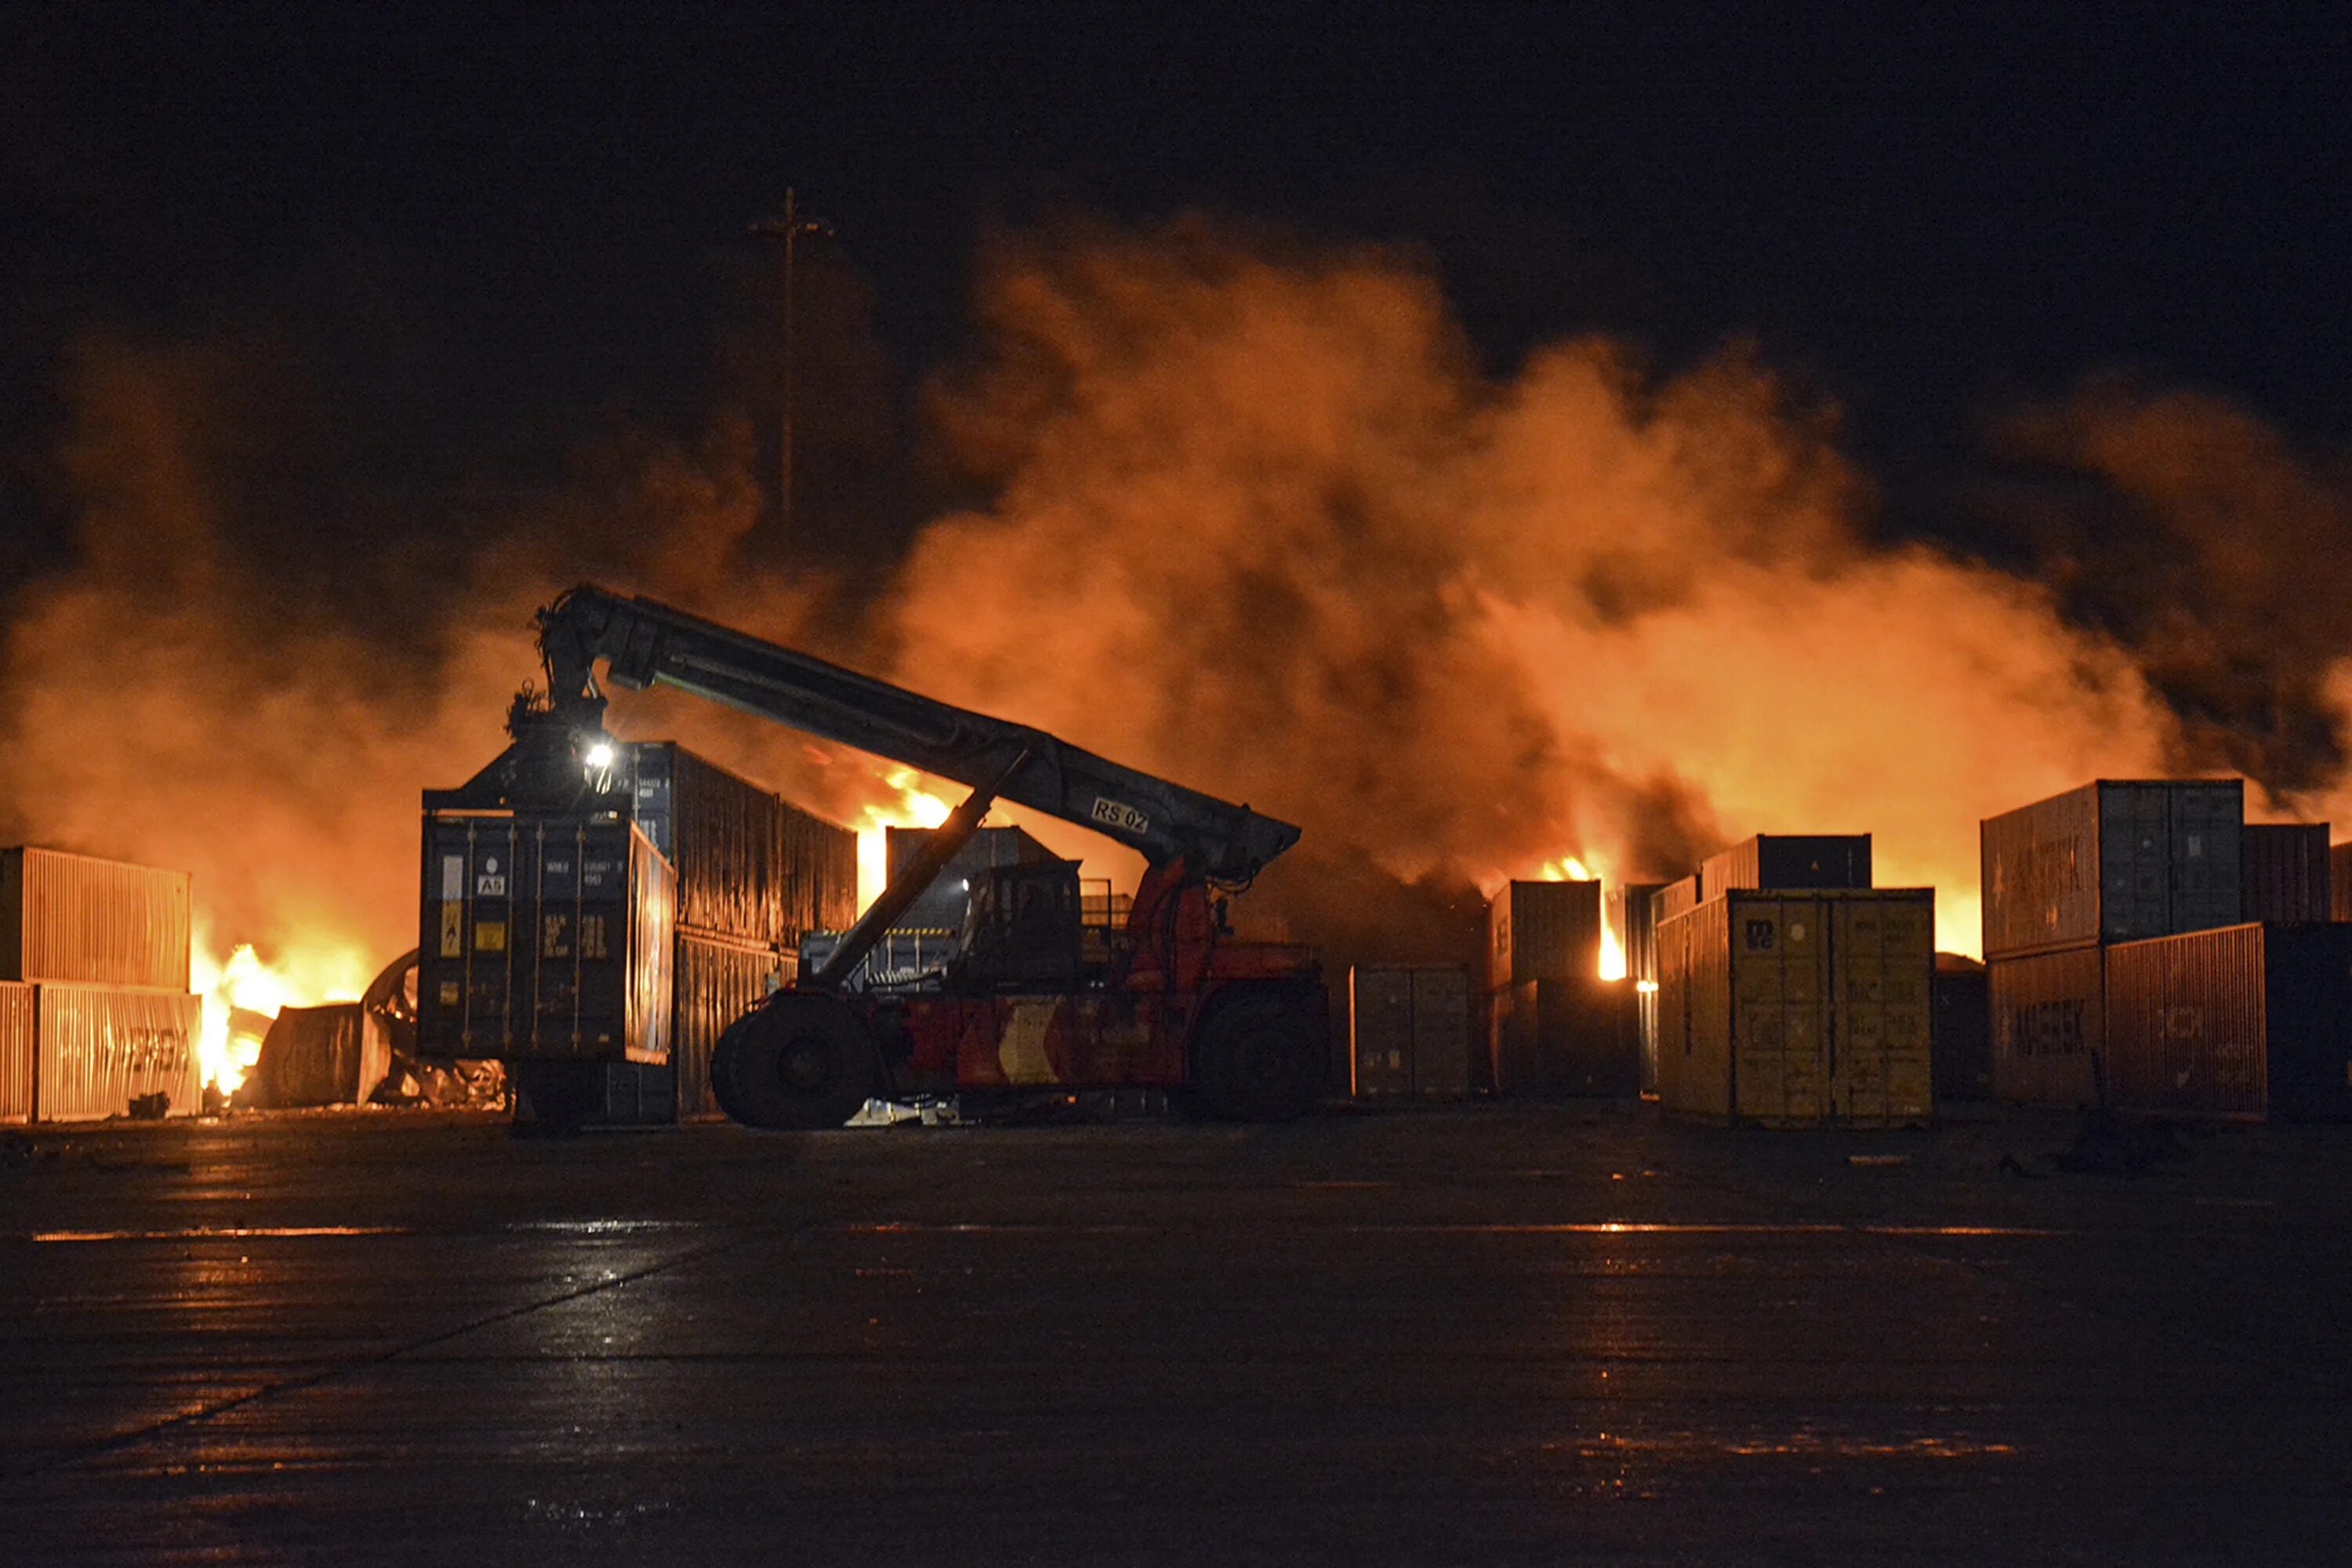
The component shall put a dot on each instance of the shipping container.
(332, 1054)
(2247, 1023)
(1379, 1031)
(1558, 1039)
(544, 937)
(1798, 1008)
(593, 1095)
(1409, 1030)
(1542, 931)
(1789, 860)
(2283, 872)
(83, 921)
(716, 983)
(2049, 1026)
(2339, 882)
(820, 876)
(19, 1051)
(1673, 899)
(99, 1047)
(1632, 915)
(1441, 1031)
(722, 835)
(1963, 1030)
(2112, 861)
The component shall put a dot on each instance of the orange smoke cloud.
(1262, 526)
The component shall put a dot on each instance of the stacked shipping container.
(2064, 878)
(1553, 1026)
(95, 1010)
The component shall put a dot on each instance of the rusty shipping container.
(543, 938)
(19, 1047)
(2112, 861)
(2246, 1023)
(1565, 1040)
(83, 921)
(331, 1055)
(2283, 872)
(1542, 931)
(1789, 860)
(1632, 915)
(1800, 1008)
(96, 1048)
(2049, 1018)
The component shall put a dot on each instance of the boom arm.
(643, 643)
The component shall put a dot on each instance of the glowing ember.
(908, 804)
(245, 993)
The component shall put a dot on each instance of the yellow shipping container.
(1798, 1008)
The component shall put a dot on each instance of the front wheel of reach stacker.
(797, 1063)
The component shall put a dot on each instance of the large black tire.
(1257, 1058)
(800, 1062)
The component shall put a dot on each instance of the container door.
(2135, 855)
(1780, 951)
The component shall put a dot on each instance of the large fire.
(244, 993)
(902, 801)
(1573, 868)
(1254, 520)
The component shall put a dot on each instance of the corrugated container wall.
(2283, 872)
(1673, 899)
(1380, 1030)
(102, 1047)
(2049, 1017)
(77, 919)
(2339, 882)
(1543, 931)
(19, 1047)
(820, 877)
(716, 982)
(1632, 915)
(543, 938)
(722, 833)
(2245, 1022)
(1789, 860)
(2112, 861)
(1800, 1008)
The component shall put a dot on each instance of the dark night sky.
(506, 224)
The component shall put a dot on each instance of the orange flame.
(244, 992)
(908, 805)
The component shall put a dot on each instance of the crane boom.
(643, 643)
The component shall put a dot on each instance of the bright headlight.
(600, 756)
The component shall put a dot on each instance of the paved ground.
(1463, 1336)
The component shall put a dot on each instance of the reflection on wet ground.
(1473, 1336)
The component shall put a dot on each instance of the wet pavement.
(1469, 1335)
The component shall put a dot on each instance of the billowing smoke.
(1263, 525)
(1260, 521)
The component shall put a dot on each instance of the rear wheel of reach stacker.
(1257, 1058)
(798, 1062)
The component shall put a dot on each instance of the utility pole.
(788, 226)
